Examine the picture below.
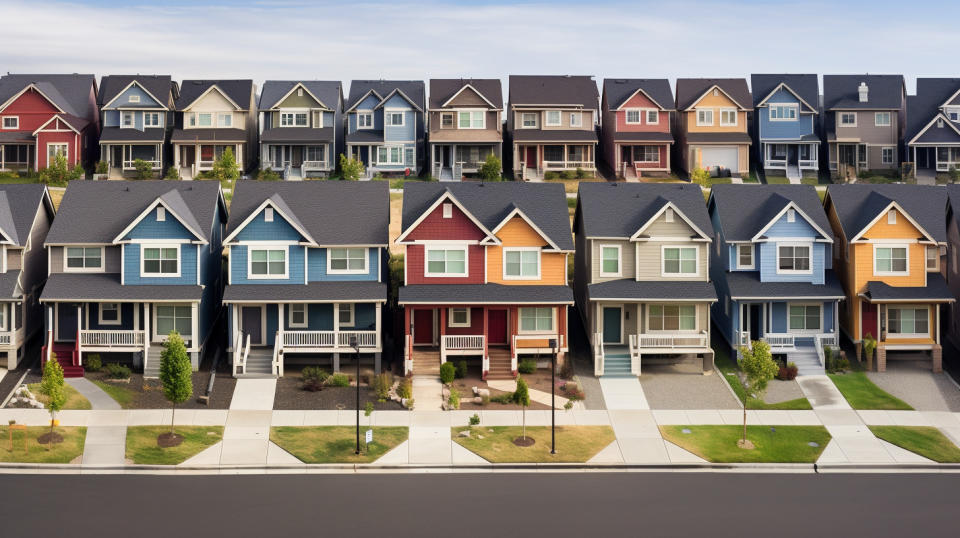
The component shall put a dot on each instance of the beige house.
(465, 125)
(712, 125)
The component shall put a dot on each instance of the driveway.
(683, 386)
(913, 382)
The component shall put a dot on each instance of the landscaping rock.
(478, 400)
(476, 391)
(464, 433)
(483, 392)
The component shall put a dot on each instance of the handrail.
(237, 351)
(598, 354)
(407, 356)
(671, 340)
(820, 342)
(246, 353)
(634, 354)
(109, 338)
(276, 365)
(780, 340)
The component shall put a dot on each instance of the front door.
(868, 316)
(116, 159)
(66, 322)
(250, 323)
(445, 155)
(756, 321)
(792, 154)
(297, 158)
(497, 331)
(187, 155)
(531, 156)
(423, 327)
(612, 327)
(627, 152)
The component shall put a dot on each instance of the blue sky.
(422, 40)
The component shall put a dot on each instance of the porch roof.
(8, 285)
(624, 136)
(17, 136)
(99, 287)
(116, 134)
(484, 294)
(747, 285)
(554, 135)
(213, 136)
(718, 138)
(366, 136)
(653, 290)
(809, 137)
(314, 292)
(480, 136)
(297, 134)
(935, 291)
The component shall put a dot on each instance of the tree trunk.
(524, 421)
(747, 398)
(174, 413)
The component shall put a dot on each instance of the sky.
(403, 39)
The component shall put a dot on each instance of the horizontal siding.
(259, 229)
(650, 260)
(627, 260)
(150, 228)
(317, 267)
(238, 267)
(415, 267)
(188, 267)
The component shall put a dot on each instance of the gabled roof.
(859, 205)
(620, 210)
(620, 90)
(953, 191)
(492, 203)
(329, 212)
(554, 90)
(158, 86)
(19, 203)
(413, 90)
(407, 98)
(745, 211)
(70, 93)
(924, 107)
(443, 90)
(806, 88)
(175, 207)
(96, 212)
(885, 92)
(691, 90)
(329, 93)
(238, 91)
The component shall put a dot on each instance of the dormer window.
(268, 214)
(745, 256)
(953, 113)
(134, 98)
(791, 215)
(161, 214)
(448, 211)
(892, 216)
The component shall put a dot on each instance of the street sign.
(369, 437)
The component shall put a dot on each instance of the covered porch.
(848, 158)
(792, 158)
(17, 152)
(199, 157)
(533, 161)
(635, 159)
(122, 158)
(12, 333)
(451, 161)
(297, 161)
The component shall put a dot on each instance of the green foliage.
(382, 384)
(581, 173)
(339, 380)
(700, 177)
(51, 386)
(505, 398)
(143, 169)
(521, 396)
(475, 419)
(395, 270)
(59, 172)
(368, 409)
(954, 174)
(173, 173)
(351, 169)
(268, 174)
(758, 368)
(313, 378)
(569, 405)
(551, 175)
(461, 369)
(115, 370)
(103, 167)
(447, 372)
(405, 390)
(527, 366)
(490, 169)
(175, 372)
(568, 174)
(869, 345)
(454, 398)
(92, 362)
(226, 166)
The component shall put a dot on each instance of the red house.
(45, 115)
(636, 126)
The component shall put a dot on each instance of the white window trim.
(579, 117)
(292, 324)
(161, 214)
(388, 115)
(364, 114)
(447, 210)
(619, 248)
(133, 98)
(648, 317)
(157, 337)
(736, 117)
(453, 120)
(926, 258)
(840, 119)
(521, 249)
(656, 116)
(805, 330)
(626, 116)
(753, 256)
(794, 106)
(161, 246)
(3, 120)
(213, 119)
(470, 111)
(133, 119)
(451, 323)
(67, 269)
(268, 214)
(536, 120)
(66, 150)
(221, 115)
(426, 261)
(151, 115)
(791, 215)
(892, 335)
(102, 321)
(704, 123)
(294, 112)
(663, 261)
(892, 246)
(809, 246)
(893, 155)
(268, 248)
(3, 317)
(546, 118)
(553, 322)
(352, 322)
(892, 216)
(348, 271)
(876, 118)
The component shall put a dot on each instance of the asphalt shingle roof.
(805, 86)
(413, 89)
(620, 209)
(689, 91)
(442, 89)
(327, 91)
(116, 134)
(746, 209)
(747, 285)
(239, 91)
(554, 90)
(297, 134)
(932, 93)
(484, 293)
(107, 287)
(935, 290)
(859, 204)
(70, 92)
(654, 290)
(19, 203)
(320, 292)
(884, 92)
(619, 90)
(554, 135)
(8, 285)
(158, 86)
(209, 135)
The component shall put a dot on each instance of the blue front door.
(612, 329)
(67, 322)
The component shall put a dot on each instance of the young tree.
(758, 368)
(521, 397)
(351, 168)
(173, 173)
(226, 166)
(491, 168)
(143, 169)
(869, 346)
(700, 177)
(175, 372)
(59, 172)
(51, 385)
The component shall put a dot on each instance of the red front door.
(868, 315)
(423, 327)
(497, 331)
(532, 156)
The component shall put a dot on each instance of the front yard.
(780, 444)
(142, 447)
(927, 441)
(336, 444)
(140, 393)
(66, 452)
(861, 393)
(75, 400)
(575, 444)
(728, 368)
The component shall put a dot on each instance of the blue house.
(136, 118)
(307, 272)
(786, 124)
(129, 263)
(772, 267)
(299, 136)
(385, 125)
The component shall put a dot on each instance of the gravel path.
(913, 382)
(683, 386)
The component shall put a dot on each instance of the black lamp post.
(356, 347)
(553, 396)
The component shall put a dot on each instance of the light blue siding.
(327, 119)
(406, 132)
(259, 229)
(788, 130)
(238, 267)
(767, 257)
(123, 101)
(778, 317)
(317, 267)
(188, 267)
(150, 228)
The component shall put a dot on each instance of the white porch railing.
(328, 340)
(634, 355)
(780, 341)
(809, 164)
(460, 345)
(308, 338)
(205, 165)
(672, 340)
(6, 338)
(567, 165)
(313, 165)
(240, 353)
(276, 365)
(485, 368)
(408, 355)
(109, 339)
(775, 163)
(131, 164)
(822, 341)
(598, 354)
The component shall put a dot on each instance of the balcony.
(98, 340)
(328, 341)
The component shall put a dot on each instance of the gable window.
(887, 155)
(668, 215)
(447, 262)
(174, 318)
(268, 214)
(163, 261)
(881, 119)
(528, 120)
(298, 315)
(633, 116)
(84, 259)
(653, 116)
(783, 112)
(745, 256)
(908, 321)
(704, 117)
(848, 119)
(205, 120)
(134, 99)
(933, 258)
(804, 318)
(576, 119)
(348, 260)
(890, 260)
(395, 119)
(679, 261)
(126, 119)
(521, 263)
(109, 314)
(672, 317)
(538, 319)
(793, 259)
(267, 263)
(952, 112)
(293, 119)
(610, 260)
(553, 118)
(446, 120)
(791, 215)
(364, 120)
(11, 122)
(472, 119)
(728, 117)
(448, 210)
(161, 214)
(226, 120)
(892, 216)
(459, 317)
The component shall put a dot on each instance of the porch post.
(79, 328)
(194, 327)
(377, 354)
(146, 327)
(280, 321)
(336, 336)
(442, 314)
(234, 328)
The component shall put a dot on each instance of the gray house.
(933, 127)
(385, 125)
(465, 125)
(299, 134)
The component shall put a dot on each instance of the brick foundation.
(881, 358)
(937, 354)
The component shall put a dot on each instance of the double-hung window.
(471, 119)
(653, 116)
(793, 259)
(225, 119)
(804, 317)
(704, 117)
(728, 117)
(459, 317)
(161, 261)
(395, 119)
(83, 259)
(11, 122)
(890, 260)
(679, 261)
(205, 119)
(528, 120)
(126, 119)
(521, 263)
(848, 119)
(151, 119)
(673, 317)
(174, 318)
(447, 262)
(347, 261)
(907, 321)
(109, 314)
(553, 118)
(633, 116)
(346, 314)
(783, 112)
(933, 258)
(536, 319)
(881, 119)
(888, 155)
(609, 260)
(268, 262)
(298, 315)
(745, 256)
(446, 120)
(364, 120)
(647, 154)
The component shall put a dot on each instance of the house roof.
(69, 92)
(365, 136)
(484, 293)
(107, 287)
(16, 136)
(296, 134)
(747, 285)
(554, 135)
(413, 89)
(329, 92)
(745, 210)
(936, 290)
(690, 90)
(159, 86)
(238, 91)
(116, 134)
(621, 209)
(641, 136)
(841, 92)
(317, 292)
(619, 90)
(442, 89)
(19, 203)
(331, 212)
(97, 211)
(490, 203)
(932, 93)
(698, 137)
(953, 191)
(8, 286)
(857, 205)
(654, 290)
(209, 135)
(528, 90)
(806, 87)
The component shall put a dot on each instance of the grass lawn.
(822, 193)
(335, 444)
(927, 441)
(75, 400)
(142, 443)
(65, 452)
(777, 180)
(861, 393)
(727, 365)
(718, 444)
(575, 444)
(118, 391)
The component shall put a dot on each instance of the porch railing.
(276, 364)
(560, 165)
(460, 345)
(634, 355)
(93, 338)
(407, 355)
(129, 164)
(775, 163)
(822, 341)
(6, 338)
(328, 339)
(809, 163)
(668, 341)
(205, 165)
(780, 341)
(598, 354)
(313, 165)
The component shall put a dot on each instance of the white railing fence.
(779, 341)
(276, 365)
(96, 338)
(821, 342)
(308, 338)
(598, 354)
(634, 355)
(6, 338)
(407, 355)
(667, 341)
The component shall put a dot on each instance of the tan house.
(712, 125)
(465, 125)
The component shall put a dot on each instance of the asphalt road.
(591, 505)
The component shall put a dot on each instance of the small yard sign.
(369, 437)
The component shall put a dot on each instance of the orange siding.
(517, 233)
(717, 102)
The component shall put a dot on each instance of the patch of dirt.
(148, 393)
(524, 441)
(539, 380)
(167, 440)
(50, 438)
(290, 394)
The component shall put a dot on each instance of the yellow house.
(889, 246)
(712, 125)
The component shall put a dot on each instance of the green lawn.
(861, 393)
(575, 444)
(75, 400)
(727, 365)
(65, 452)
(718, 444)
(118, 391)
(777, 180)
(142, 443)
(927, 441)
(336, 444)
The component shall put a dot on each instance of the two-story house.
(773, 271)
(26, 212)
(551, 122)
(129, 262)
(786, 125)
(863, 123)
(641, 274)
(711, 125)
(465, 125)
(485, 274)
(300, 121)
(385, 125)
(136, 121)
(891, 241)
(933, 127)
(307, 272)
(211, 116)
(635, 127)
(42, 116)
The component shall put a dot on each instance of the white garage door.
(722, 156)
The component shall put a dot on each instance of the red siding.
(68, 137)
(641, 101)
(476, 261)
(32, 108)
(663, 160)
(476, 323)
(435, 227)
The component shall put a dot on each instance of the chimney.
(863, 90)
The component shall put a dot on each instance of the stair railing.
(276, 365)
(76, 359)
(598, 354)
(634, 356)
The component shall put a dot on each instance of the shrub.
(447, 372)
(410, 403)
(572, 391)
(59, 172)
(551, 175)
(869, 346)
(102, 167)
(339, 380)
(566, 369)
(490, 169)
(788, 372)
(351, 169)
(92, 363)
(700, 177)
(173, 173)
(313, 378)
(484, 400)
(116, 370)
(475, 419)
(405, 390)
(368, 409)
(267, 174)
(569, 405)
(226, 166)
(581, 173)
(381, 385)
(505, 398)
(142, 169)
(568, 174)
(454, 398)
(527, 366)
(843, 364)
(461, 370)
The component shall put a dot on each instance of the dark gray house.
(299, 127)
(933, 127)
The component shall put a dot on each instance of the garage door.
(722, 156)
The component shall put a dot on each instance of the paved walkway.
(427, 393)
(539, 396)
(623, 393)
(106, 442)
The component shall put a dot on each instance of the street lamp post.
(553, 396)
(356, 347)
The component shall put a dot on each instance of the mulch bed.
(520, 441)
(539, 380)
(149, 393)
(50, 438)
(291, 395)
(167, 440)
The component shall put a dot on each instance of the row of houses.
(786, 126)
(486, 271)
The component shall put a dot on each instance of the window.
(576, 119)
(204, 120)
(390, 155)
(408, 156)
(848, 119)
(890, 260)
(553, 153)
(268, 263)
(653, 117)
(364, 120)
(84, 259)
(126, 119)
(633, 116)
(647, 154)
(908, 321)
(348, 260)
(448, 210)
(668, 215)
(459, 317)
(346, 314)
(11, 122)
(226, 120)
(862, 153)
(134, 99)
(160, 261)
(783, 112)
(536, 319)
(446, 121)
(679, 261)
(471, 119)
(293, 119)
(268, 214)
(804, 318)
(299, 92)
(521, 263)
(174, 318)
(316, 153)
(793, 259)
(881, 119)
(395, 119)
(151, 119)
(298, 315)
(528, 120)
(109, 314)
(161, 214)
(791, 215)
(553, 118)
(933, 258)
(450, 262)
(575, 154)
(55, 149)
(745, 256)
(728, 117)
(704, 116)
(953, 113)
(887, 155)
(610, 260)
(672, 318)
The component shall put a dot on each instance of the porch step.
(64, 355)
(807, 362)
(426, 363)
(151, 370)
(500, 360)
(259, 363)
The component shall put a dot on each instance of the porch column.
(486, 332)
(377, 354)
(442, 313)
(936, 308)
(194, 326)
(176, 156)
(233, 327)
(280, 322)
(336, 336)
(3, 157)
(79, 328)
(146, 327)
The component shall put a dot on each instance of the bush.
(226, 166)
(566, 369)
(447, 372)
(405, 390)
(490, 169)
(313, 378)
(339, 380)
(461, 369)
(527, 366)
(475, 419)
(143, 169)
(381, 385)
(351, 169)
(551, 175)
(454, 398)
(102, 167)
(173, 173)
(92, 363)
(568, 174)
(59, 172)
(581, 173)
(700, 177)
(788, 372)
(569, 405)
(116, 370)
(368, 409)
(484, 400)
(572, 391)
(505, 398)
(267, 174)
